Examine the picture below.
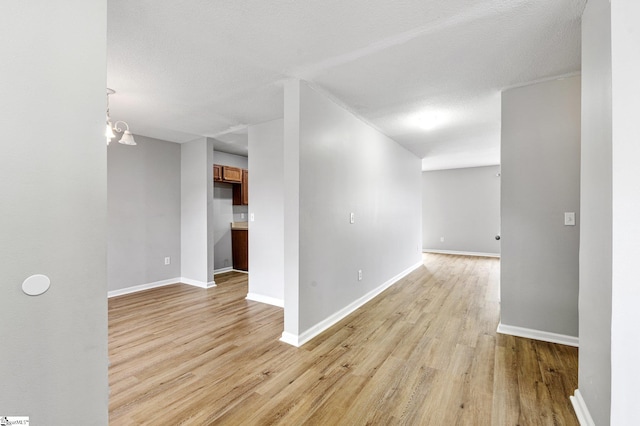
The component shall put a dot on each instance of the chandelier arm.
(117, 128)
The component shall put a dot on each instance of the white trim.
(228, 269)
(291, 339)
(141, 287)
(462, 253)
(545, 336)
(265, 299)
(323, 325)
(197, 283)
(543, 80)
(582, 412)
(441, 169)
(177, 280)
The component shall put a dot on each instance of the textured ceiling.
(183, 69)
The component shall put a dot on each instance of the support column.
(197, 213)
(291, 211)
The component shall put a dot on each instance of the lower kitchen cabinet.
(240, 249)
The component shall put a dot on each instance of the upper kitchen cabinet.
(231, 174)
(217, 173)
(241, 192)
(245, 187)
(236, 176)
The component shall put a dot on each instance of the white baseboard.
(177, 280)
(141, 287)
(265, 299)
(545, 336)
(197, 283)
(229, 269)
(461, 253)
(312, 332)
(291, 339)
(582, 412)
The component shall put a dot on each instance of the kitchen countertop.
(239, 226)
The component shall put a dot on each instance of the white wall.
(197, 212)
(346, 166)
(625, 338)
(208, 176)
(53, 365)
(291, 209)
(143, 184)
(224, 212)
(540, 151)
(595, 205)
(232, 160)
(266, 233)
(609, 247)
(463, 207)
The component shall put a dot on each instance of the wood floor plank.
(424, 352)
(506, 394)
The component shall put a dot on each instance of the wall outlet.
(359, 274)
(569, 218)
(442, 239)
(352, 218)
(241, 215)
(167, 261)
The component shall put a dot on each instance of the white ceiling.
(183, 69)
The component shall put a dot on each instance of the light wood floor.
(425, 352)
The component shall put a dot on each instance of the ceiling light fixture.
(428, 120)
(127, 136)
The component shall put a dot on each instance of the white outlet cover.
(36, 285)
(570, 218)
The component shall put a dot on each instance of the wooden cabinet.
(236, 176)
(245, 187)
(241, 192)
(231, 174)
(240, 249)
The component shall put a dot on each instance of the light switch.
(352, 218)
(569, 218)
(253, 218)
